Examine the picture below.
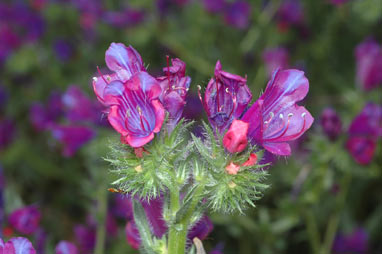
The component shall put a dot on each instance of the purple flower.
(131, 95)
(17, 245)
(3, 97)
(40, 240)
(63, 49)
(78, 106)
(86, 238)
(275, 58)
(364, 132)
(9, 41)
(201, 229)
(7, 132)
(174, 86)
(369, 64)
(290, 13)
(331, 123)
(275, 118)
(128, 17)
(122, 207)
(66, 247)
(71, 137)
(237, 14)
(25, 220)
(225, 99)
(214, 6)
(43, 116)
(194, 108)
(356, 242)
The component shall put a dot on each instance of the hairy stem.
(314, 237)
(101, 219)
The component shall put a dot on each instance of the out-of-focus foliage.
(317, 197)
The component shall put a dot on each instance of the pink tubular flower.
(275, 118)
(225, 99)
(252, 160)
(25, 220)
(369, 64)
(364, 132)
(174, 86)
(131, 95)
(66, 247)
(235, 139)
(17, 245)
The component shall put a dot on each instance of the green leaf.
(143, 227)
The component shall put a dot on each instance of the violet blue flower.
(40, 240)
(225, 99)
(7, 132)
(275, 58)
(78, 106)
(237, 14)
(290, 13)
(66, 247)
(193, 109)
(122, 207)
(355, 242)
(174, 86)
(214, 6)
(3, 97)
(17, 245)
(25, 220)
(331, 123)
(369, 64)
(43, 116)
(86, 238)
(72, 138)
(364, 132)
(201, 229)
(63, 49)
(275, 118)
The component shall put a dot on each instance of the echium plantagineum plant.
(158, 159)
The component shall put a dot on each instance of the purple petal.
(22, 246)
(66, 247)
(331, 123)
(125, 61)
(201, 229)
(238, 14)
(25, 220)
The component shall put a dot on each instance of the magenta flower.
(174, 86)
(225, 99)
(71, 137)
(42, 116)
(86, 238)
(275, 118)
(235, 139)
(369, 64)
(275, 58)
(364, 132)
(237, 14)
(17, 245)
(25, 220)
(78, 106)
(66, 247)
(356, 242)
(331, 123)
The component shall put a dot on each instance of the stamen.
(302, 129)
(233, 106)
(128, 113)
(95, 79)
(284, 128)
(217, 95)
(141, 118)
(271, 115)
(281, 116)
(101, 75)
(168, 69)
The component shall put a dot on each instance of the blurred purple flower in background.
(364, 132)
(7, 132)
(124, 18)
(63, 49)
(275, 118)
(79, 107)
(25, 220)
(40, 237)
(17, 245)
(3, 97)
(369, 64)
(72, 137)
(331, 123)
(355, 242)
(66, 247)
(275, 58)
(226, 97)
(86, 238)
(290, 13)
(214, 6)
(43, 116)
(237, 14)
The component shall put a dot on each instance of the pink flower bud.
(232, 168)
(235, 140)
(252, 160)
